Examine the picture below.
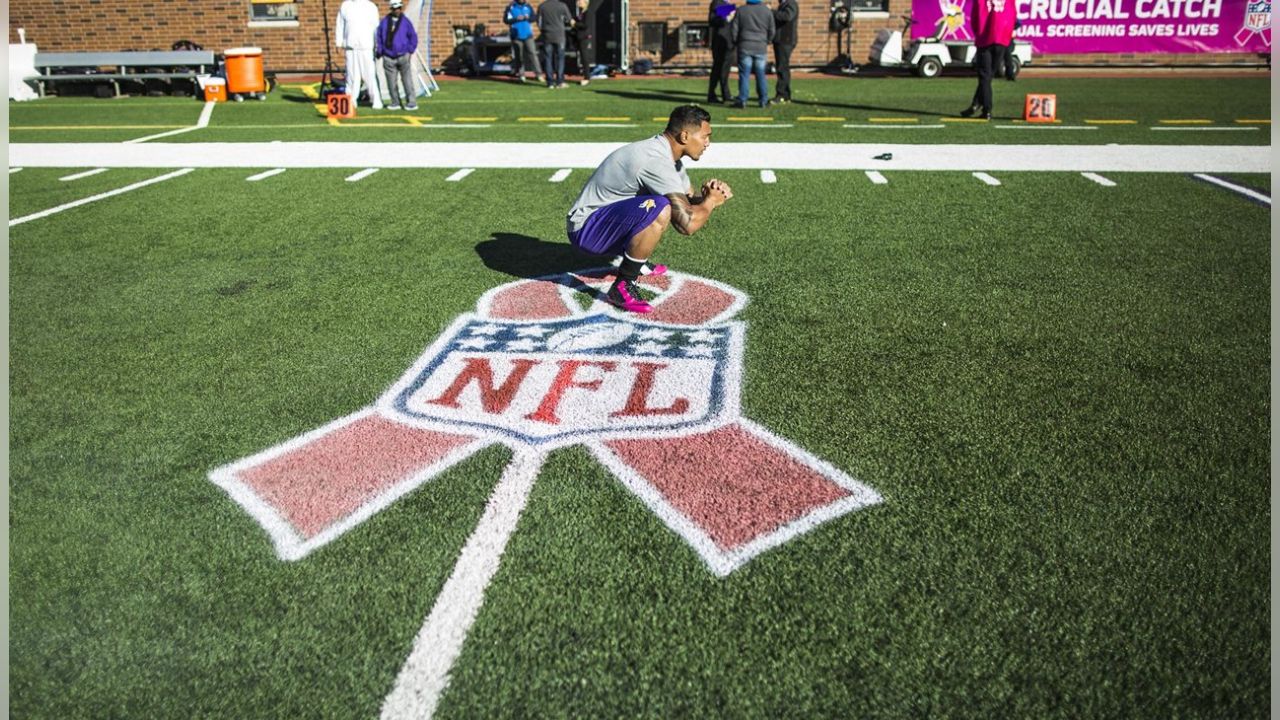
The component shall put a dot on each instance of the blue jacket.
(403, 42)
(519, 16)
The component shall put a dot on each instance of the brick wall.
(220, 24)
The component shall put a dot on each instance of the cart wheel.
(238, 97)
(1015, 68)
(929, 67)
(262, 96)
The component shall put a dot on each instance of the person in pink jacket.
(992, 22)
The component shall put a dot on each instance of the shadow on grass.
(523, 256)
(528, 257)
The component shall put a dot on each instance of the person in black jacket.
(785, 17)
(720, 18)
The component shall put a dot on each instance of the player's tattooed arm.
(690, 212)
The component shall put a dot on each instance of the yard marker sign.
(656, 401)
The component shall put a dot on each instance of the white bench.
(117, 66)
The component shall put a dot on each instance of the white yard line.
(756, 125)
(877, 178)
(1235, 188)
(264, 175)
(200, 123)
(879, 126)
(986, 178)
(85, 174)
(179, 131)
(560, 175)
(425, 674)
(768, 177)
(774, 156)
(14, 170)
(1099, 179)
(582, 125)
(357, 177)
(460, 174)
(100, 196)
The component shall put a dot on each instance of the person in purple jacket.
(992, 22)
(395, 43)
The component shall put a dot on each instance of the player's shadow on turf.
(523, 256)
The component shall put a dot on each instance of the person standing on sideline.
(1010, 72)
(396, 43)
(720, 19)
(636, 193)
(524, 49)
(354, 32)
(753, 30)
(554, 18)
(992, 24)
(785, 18)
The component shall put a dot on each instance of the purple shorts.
(608, 230)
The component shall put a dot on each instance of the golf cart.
(927, 56)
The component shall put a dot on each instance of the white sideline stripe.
(1235, 188)
(560, 175)
(425, 674)
(1208, 129)
(986, 178)
(179, 131)
(1099, 179)
(205, 114)
(460, 174)
(264, 175)
(85, 174)
(1047, 127)
(896, 127)
(757, 125)
(582, 125)
(100, 196)
(203, 121)
(361, 175)
(877, 178)
(768, 177)
(952, 157)
(14, 170)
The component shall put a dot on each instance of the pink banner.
(1115, 26)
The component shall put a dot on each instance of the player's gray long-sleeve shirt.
(639, 168)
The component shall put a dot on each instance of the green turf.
(1060, 389)
(289, 115)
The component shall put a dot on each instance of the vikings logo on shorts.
(547, 363)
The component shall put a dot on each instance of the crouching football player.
(636, 193)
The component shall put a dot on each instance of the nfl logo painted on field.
(565, 381)
(547, 363)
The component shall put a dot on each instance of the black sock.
(630, 268)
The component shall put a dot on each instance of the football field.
(343, 430)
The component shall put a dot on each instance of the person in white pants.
(354, 33)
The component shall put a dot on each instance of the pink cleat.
(624, 295)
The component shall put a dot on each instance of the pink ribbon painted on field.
(731, 491)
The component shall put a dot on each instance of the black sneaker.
(970, 111)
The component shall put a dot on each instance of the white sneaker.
(393, 107)
(411, 107)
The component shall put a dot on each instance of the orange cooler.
(215, 90)
(244, 70)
